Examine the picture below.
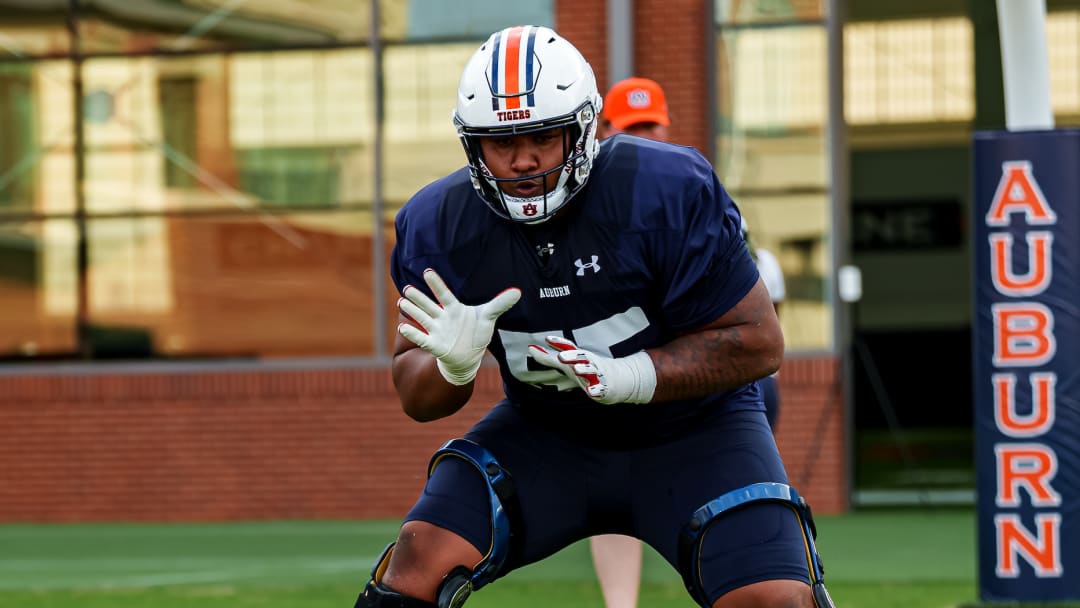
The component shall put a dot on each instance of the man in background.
(636, 106)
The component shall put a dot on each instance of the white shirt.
(769, 267)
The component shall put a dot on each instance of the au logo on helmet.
(513, 73)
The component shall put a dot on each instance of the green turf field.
(901, 559)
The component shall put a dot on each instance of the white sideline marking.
(93, 573)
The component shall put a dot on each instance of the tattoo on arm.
(704, 362)
(740, 347)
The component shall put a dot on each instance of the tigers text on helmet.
(527, 79)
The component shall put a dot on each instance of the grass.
(879, 559)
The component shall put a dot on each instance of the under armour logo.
(581, 266)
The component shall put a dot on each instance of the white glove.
(456, 334)
(629, 379)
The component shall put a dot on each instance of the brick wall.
(670, 41)
(811, 431)
(244, 445)
(210, 446)
(584, 24)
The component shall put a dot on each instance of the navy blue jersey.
(648, 249)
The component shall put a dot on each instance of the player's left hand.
(604, 379)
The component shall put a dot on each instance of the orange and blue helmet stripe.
(514, 69)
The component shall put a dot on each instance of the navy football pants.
(568, 492)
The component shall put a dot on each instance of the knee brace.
(456, 586)
(693, 533)
(502, 498)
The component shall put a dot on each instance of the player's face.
(526, 155)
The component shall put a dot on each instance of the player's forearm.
(425, 395)
(716, 360)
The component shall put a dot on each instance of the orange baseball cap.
(636, 100)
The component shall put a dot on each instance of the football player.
(610, 283)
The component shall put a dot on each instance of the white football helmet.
(522, 80)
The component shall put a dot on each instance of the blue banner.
(1026, 349)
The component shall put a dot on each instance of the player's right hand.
(630, 379)
(454, 333)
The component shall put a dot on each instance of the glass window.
(1063, 46)
(302, 124)
(768, 11)
(908, 71)
(228, 131)
(143, 26)
(20, 152)
(773, 157)
(38, 288)
(918, 75)
(30, 29)
(473, 19)
(233, 285)
(220, 166)
(421, 142)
